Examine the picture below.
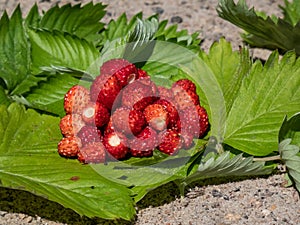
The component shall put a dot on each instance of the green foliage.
(29, 160)
(291, 11)
(263, 32)
(290, 156)
(246, 103)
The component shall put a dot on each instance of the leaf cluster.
(246, 101)
(265, 31)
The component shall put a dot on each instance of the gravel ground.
(253, 201)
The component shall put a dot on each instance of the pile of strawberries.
(125, 114)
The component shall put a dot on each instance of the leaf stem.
(270, 158)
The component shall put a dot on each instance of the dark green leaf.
(82, 21)
(14, 51)
(290, 129)
(58, 49)
(262, 32)
(29, 161)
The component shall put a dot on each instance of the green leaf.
(262, 32)
(291, 129)
(226, 164)
(291, 11)
(267, 94)
(118, 29)
(4, 100)
(58, 49)
(14, 51)
(48, 96)
(290, 155)
(81, 21)
(29, 161)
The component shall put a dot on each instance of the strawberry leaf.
(226, 164)
(61, 49)
(267, 94)
(15, 52)
(81, 21)
(291, 157)
(29, 161)
(290, 129)
(291, 11)
(262, 32)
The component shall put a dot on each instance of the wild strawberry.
(113, 65)
(71, 124)
(144, 143)
(156, 116)
(95, 114)
(92, 153)
(170, 107)
(105, 89)
(76, 99)
(116, 145)
(169, 142)
(128, 121)
(89, 134)
(69, 147)
(139, 94)
(184, 84)
(109, 128)
(126, 75)
(185, 99)
(165, 93)
(142, 73)
(203, 121)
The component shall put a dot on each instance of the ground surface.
(253, 201)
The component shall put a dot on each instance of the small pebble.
(158, 10)
(176, 19)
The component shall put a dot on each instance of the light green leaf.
(267, 94)
(291, 129)
(14, 51)
(29, 161)
(58, 49)
(262, 32)
(226, 164)
(290, 155)
(81, 21)
(291, 11)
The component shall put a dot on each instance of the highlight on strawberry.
(125, 114)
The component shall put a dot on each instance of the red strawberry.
(169, 142)
(89, 134)
(76, 99)
(92, 153)
(71, 124)
(165, 93)
(184, 84)
(109, 128)
(126, 75)
(156, 116)
(113, 65)
(115, 145)
(69, 147)
(96, 114)
(128, 121)
(144, 143)
(185, 99)
(203, 120)
(142, 73)
(139, 94)
(105, 89)
(170, 107)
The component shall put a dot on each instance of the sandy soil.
(253, 201)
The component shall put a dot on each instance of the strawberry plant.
(265, 31)
(55, 58)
